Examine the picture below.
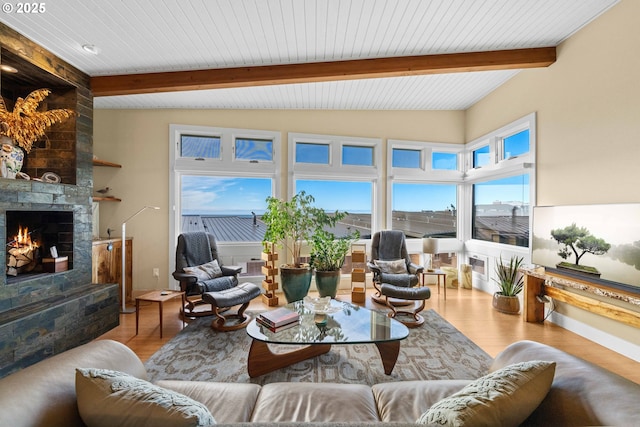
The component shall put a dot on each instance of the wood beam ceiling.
(131, 84)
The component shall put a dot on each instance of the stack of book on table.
(278, 319)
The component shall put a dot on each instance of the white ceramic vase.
(11, 158)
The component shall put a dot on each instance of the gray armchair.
(390, 263)
(195, 249)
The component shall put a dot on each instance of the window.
(223, 196)
(254, 149)
(516, 144)
(354, 197)
(425, 210)
(200, 146)
(501, 210)
(220, 182)
(501, 194)
(357, 155)
(307, 152)
(406, 158)
(481, 156)
(344, 179)
(444, 161)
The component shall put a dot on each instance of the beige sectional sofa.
(581, 394)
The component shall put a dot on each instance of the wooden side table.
(438, 274)
(160, 297)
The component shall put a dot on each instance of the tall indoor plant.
(510, 283)
(289, 225)
(328, 254)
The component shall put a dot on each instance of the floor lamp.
(123, 273)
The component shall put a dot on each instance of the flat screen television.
(597, 243)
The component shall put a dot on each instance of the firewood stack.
(22, 257)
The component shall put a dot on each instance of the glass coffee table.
(342, 323)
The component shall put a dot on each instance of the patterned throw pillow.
(111, 398)
(207, 271)
(397, 266)
(505, 397)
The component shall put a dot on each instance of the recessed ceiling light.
(8, 68)
(92, 49)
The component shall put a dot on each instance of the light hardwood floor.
(469, 311)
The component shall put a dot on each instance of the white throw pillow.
(207, 271)
(109, 398)
(505, 397)
(397, 266)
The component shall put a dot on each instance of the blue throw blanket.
(390, 246)
(197, 248)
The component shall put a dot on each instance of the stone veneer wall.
(49, 314)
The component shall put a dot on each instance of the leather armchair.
(388, 251)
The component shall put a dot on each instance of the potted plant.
(289, 225)
(510, 283)
(327, 258)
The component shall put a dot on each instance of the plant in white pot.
(289, 225)
(328, 254)
(510, 283)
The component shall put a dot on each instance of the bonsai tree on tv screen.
(578, 241)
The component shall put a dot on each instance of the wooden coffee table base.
(389, 351)
(262, 360)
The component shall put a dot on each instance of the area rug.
(434, 351)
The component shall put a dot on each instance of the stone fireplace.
(45, 312)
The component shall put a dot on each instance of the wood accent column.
(533, 309)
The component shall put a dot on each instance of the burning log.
(22, 257)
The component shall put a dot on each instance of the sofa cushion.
(405, 401)
(111, 398)
(207, 271)
(315, 402)
(502, 398)
(243, 397)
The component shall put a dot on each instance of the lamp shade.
(429, 245)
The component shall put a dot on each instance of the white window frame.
(425, 175)
(497, 169)
(226, 166)
(335, 170)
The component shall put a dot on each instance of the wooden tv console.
(538, 282)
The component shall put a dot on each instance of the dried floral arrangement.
(24, 124)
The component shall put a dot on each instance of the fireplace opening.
(38, 242)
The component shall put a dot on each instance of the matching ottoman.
(241, 294)
(420, 293)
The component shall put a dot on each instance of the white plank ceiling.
(137, 36)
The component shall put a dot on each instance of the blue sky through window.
(350, 196)
(511, 189)
(418, 197)
(216, 195)
(517, 144)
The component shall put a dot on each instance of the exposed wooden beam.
(129, 84)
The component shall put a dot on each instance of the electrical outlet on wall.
(156, 272)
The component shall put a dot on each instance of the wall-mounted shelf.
(98, 162)
(106, 199)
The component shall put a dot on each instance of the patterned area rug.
(434, 351)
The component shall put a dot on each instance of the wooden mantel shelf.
(98, 162)
(538, 282)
